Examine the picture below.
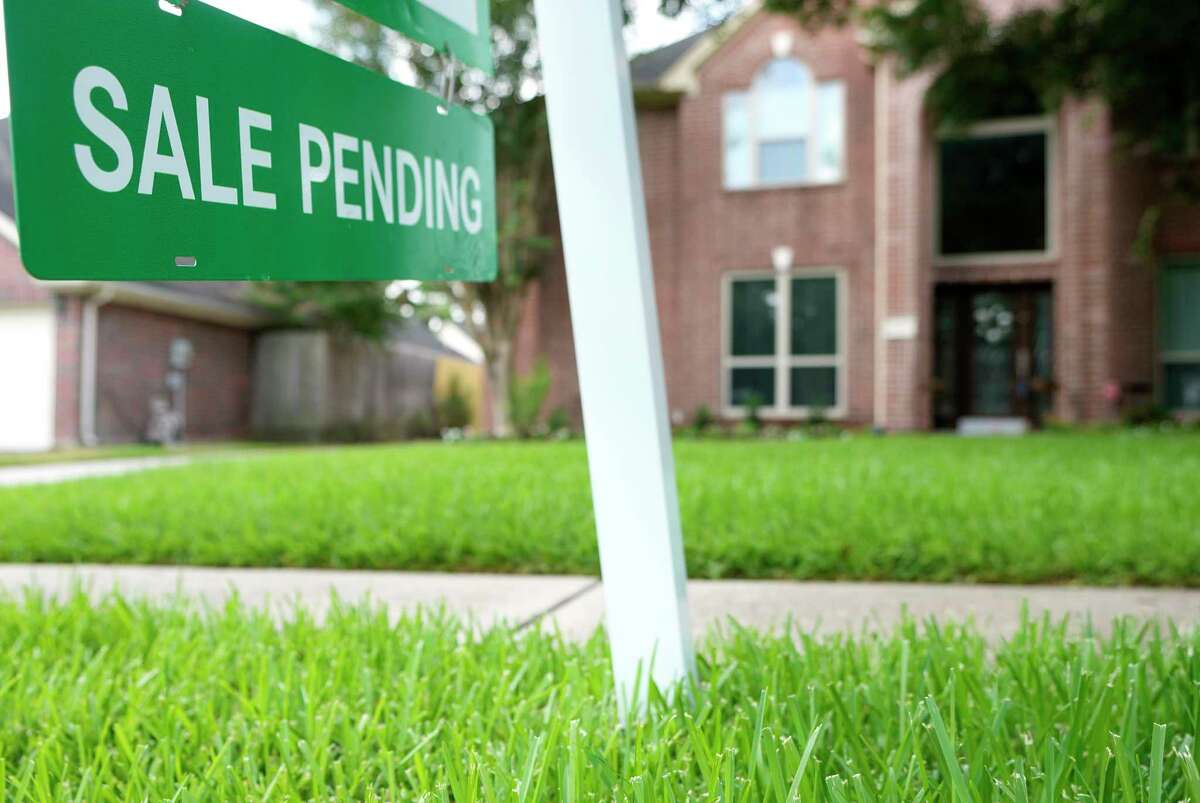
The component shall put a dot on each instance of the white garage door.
(26, 379)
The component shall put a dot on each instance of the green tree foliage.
(359, 309)
(1139, 56)
(454, 409)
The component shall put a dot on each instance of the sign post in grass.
(614, 315)
(158, 140)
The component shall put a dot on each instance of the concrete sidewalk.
(50, 473)
(575, 605)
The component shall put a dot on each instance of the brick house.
(79, 361)
(820, 246)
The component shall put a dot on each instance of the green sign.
(461, 27)
(150, 145)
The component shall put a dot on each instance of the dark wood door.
(993, 352)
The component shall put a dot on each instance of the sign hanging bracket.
(447, 81)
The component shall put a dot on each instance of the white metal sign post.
(602, 209)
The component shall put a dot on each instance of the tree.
(1139, 56)
(490, 312)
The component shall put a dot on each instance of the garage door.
(26, 379)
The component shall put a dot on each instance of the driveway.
(50, 473)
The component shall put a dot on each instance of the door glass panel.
(814, 317)
(994, 321)
(945, 397)
(754, 304)
(814, 387)
(1043, 354)
(753, 384)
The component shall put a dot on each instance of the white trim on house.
(783, 361)
(1043, 124)
(89, 347)
(883, 75)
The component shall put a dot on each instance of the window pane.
(783, 94)
(780, 162)
(993, 194)
(753, 321)
(814, 317)
(739, 167)
(1181, 308)
(1183, 386)
(831, 132)
(814, 387)
(753, 383)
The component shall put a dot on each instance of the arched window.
(786, 130)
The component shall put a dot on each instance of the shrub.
(526, 398)
(558, 421)
(1146, 415)
(703, 420)
(753, 420)
(454, 410)
(420, 426)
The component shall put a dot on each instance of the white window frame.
(752, 99)
(1166, 358)
(783, 361)
(992, 128)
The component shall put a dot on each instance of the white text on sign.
(392, 184)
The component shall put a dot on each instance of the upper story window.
(994, 188)
(787, 130)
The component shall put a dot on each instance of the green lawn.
(117, 701)
(1103, 509)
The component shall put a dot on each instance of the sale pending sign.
(150, 145)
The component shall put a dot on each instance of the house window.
(787, 130)
(1180, 336)
(994, 191)
(784, 343)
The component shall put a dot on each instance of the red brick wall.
(699, 232)
(68, 322)
(132, 366)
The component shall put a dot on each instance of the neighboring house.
(820, 247)
(81, 361)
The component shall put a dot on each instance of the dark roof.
(235, 292)
(649, 68)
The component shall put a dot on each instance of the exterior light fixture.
(783, 257)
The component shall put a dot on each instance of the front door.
(993, 352)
